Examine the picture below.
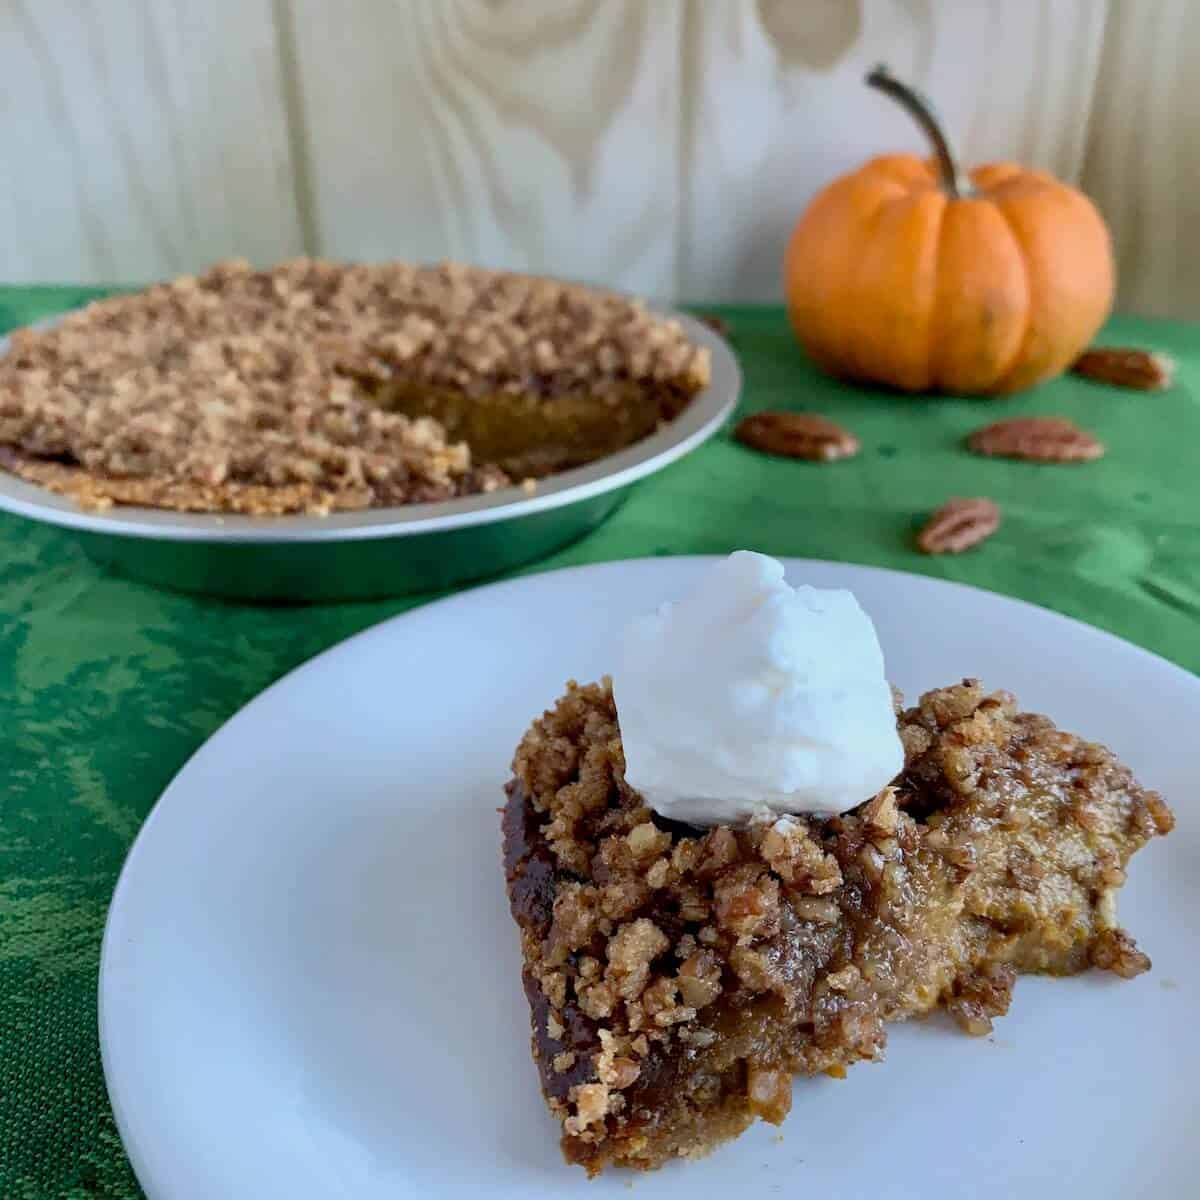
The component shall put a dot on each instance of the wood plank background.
(665, 146)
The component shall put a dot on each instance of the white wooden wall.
(661, 145)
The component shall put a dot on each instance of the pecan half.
(796, 435)
(715, 323)
(1127, 367)
(958, 525)
(1036, 439)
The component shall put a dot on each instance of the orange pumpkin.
(913, 274)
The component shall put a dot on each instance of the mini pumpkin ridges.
(909, 274)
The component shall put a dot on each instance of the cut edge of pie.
(678, 979)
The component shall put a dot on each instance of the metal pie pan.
(382, 551)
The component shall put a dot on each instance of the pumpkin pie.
(679, 978)
(316, 386)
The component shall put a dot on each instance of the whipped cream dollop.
(750, 698)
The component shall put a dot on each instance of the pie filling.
(678, 978)
(526, 437)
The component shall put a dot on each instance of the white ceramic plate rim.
(705, 414)
(121, 1087)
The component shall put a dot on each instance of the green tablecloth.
(108, 685)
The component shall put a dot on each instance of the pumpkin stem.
(954, 178)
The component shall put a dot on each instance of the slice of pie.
(679, 978)
(316, 386)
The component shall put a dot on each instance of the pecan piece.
(1036, 439)
(1114, 950)
(1127, 367)
(717, 324)
(958, 525)
(796, 435)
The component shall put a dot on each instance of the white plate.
(310, 979)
